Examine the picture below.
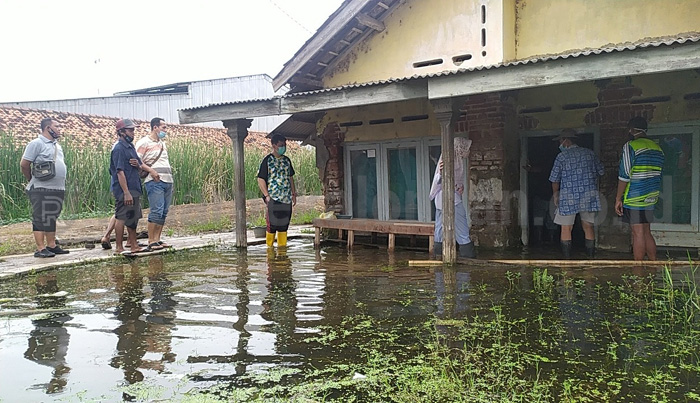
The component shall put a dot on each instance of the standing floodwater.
(327, 325)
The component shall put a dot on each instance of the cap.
(125, 124)
(566, 134)
(638, 122)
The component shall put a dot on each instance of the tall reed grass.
(203, 174)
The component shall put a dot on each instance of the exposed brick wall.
(611, 116)
(491, 124)
(333, 187)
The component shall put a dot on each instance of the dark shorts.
(631, 217)
(129, 214)
(46, 207)
(278, 216)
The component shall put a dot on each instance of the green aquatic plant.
(542, 281)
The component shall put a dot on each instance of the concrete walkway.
(15, 265)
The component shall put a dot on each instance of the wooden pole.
(237, 130)
(443, 113)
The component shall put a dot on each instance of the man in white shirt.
(154, 153)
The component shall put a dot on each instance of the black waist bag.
(44, 171)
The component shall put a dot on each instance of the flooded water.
(193, 320)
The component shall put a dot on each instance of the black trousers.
(278, 216)
(46, 207)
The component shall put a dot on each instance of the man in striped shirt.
(153, 152)
(639, 185)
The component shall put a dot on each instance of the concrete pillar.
(444, 115)
(237, 130)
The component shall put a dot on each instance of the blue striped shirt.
(640, 166)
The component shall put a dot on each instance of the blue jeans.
(160, 195)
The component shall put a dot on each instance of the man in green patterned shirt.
(276, 182)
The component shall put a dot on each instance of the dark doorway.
(542, 151)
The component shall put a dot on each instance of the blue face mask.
(282, 150)
(128, 139)
(562, 147)
(161, 135)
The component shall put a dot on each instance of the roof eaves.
(334, 24)
(629, 46)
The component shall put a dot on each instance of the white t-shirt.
(148, 151)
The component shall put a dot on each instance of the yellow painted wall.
(556, 26)
(422, 30)
(387, 131)
(556, 96)
(675, 84)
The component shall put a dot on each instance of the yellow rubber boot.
(282, 238)
(270, 238)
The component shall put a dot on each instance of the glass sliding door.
(402, 183)
(677, 208)
(363, 181)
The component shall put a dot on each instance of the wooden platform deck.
(392, 228)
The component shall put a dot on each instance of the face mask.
(53, 133)
(562, 147)
(282, 150)
(128, 139)
(161, 135)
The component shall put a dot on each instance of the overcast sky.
(58, 49)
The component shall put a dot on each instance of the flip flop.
(106, 245)
(128, 253)
(155, 246)
(139, 244)
(164, 245)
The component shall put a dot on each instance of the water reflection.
(142, 332)
(189, 320)
(280, 303)
(131, 344)
(48, 341)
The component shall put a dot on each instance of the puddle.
(242, 325)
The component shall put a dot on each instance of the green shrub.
(203, 174)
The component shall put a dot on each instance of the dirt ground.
(182, 220)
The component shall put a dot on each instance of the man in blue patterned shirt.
(574, 180)
(276, 182)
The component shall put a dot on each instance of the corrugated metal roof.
(297, 127)
(629, 46)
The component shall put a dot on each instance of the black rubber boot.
(467, 250)
(590, 248)
(438, 248)
(566, 249)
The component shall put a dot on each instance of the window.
(391, 180)
(677, 205)
(363, 165)
(403, 183)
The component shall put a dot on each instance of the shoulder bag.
(44, 171)
(143, 174)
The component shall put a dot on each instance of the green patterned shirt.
(277, 173)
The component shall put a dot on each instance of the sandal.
(106, 245)
(164, 245)
(154, 246)
(128, 253)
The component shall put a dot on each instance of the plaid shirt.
(577, 170)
